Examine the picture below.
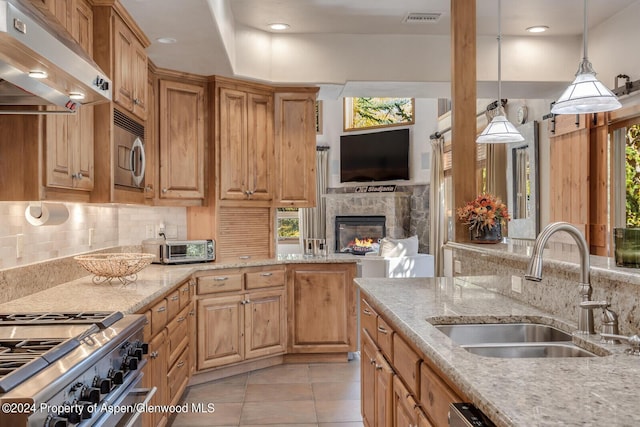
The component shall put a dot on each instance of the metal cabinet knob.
(77, 175)
(164, 190)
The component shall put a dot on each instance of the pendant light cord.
(584, 38)
(500, 57)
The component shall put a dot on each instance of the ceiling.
(202, 50)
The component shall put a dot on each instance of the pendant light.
(586, 94)
(499, 130)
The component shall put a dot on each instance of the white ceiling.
(201, 49)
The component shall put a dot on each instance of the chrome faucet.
(534, 272)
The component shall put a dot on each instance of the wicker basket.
(108, 266)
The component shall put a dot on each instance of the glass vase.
(627, 247)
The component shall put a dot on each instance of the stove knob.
(104, 384)
(137, 353)
(130, 363)
(73, 417)
(55, 421)
(145, 347)
(85, 412)
(117, 376)
(91, 394)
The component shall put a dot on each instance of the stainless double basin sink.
(513, 340)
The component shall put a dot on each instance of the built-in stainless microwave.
(128, 152)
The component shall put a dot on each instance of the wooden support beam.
(463, 107)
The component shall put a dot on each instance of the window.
(367, 113)
(627, 156)
(288, 225)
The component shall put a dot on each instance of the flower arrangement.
(484, 213)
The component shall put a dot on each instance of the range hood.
(41, 65)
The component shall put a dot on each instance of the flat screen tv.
(379, 156)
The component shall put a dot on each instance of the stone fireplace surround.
(395, 207)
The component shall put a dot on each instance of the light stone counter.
(588, 391)
(153, 282)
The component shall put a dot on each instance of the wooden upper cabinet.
(245, 142)
(130, 70)
(295, 134)
(181, 140)
(69, 138)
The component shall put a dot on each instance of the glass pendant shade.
(499, 130)
(586, 94)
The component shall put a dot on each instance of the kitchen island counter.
(581, 391)
(153, 282)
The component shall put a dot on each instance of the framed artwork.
(369, 113)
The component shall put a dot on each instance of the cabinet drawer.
(178, 329)
(368, 318)
(407, 363)
(178, 377)
(264, 279)
(220, 283)
(173, 304)
(384, 334)
(146, 333)
(435, 396)
(158, 316)
(185, 294)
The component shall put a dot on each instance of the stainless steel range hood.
(32, 42)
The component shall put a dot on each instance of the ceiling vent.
(417, 17)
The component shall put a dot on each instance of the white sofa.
(397, 258)
(419, 265)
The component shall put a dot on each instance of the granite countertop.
(153, 282)
(564, 256)
(581, 391)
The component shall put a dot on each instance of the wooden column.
(463, 107)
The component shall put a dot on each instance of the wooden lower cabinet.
(238, 327)
(404, 405)
(321, 315)
(155, 375)
(168, 333)
(400, 387)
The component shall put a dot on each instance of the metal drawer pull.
(220, 278)
(245, 257)
(180, 364)
(180, 319)
(161, 309)
(367, 312)
(381, 329)
(175, 298)
(266, 274)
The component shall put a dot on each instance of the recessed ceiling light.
(279, 26)
(37, 74)
(76, 95)
(538, 29)
(166, 40)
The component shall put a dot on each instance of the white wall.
(113, 225)
(426, 111)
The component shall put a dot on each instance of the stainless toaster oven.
(180, 251)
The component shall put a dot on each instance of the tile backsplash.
(108, 225)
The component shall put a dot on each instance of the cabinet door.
(295, 149)
(265, 323)
(384, 392)
(181, 140)
(139, 76)
(435, 395)
(156, 376)
(367, 380)
(260, 155)
(220, 328)
(123, 67)
(321, 308)
(404, 405)
(232, 143)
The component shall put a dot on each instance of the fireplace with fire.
(359, 234)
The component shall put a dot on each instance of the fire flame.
(364, 243)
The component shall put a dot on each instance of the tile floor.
(303, 395)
